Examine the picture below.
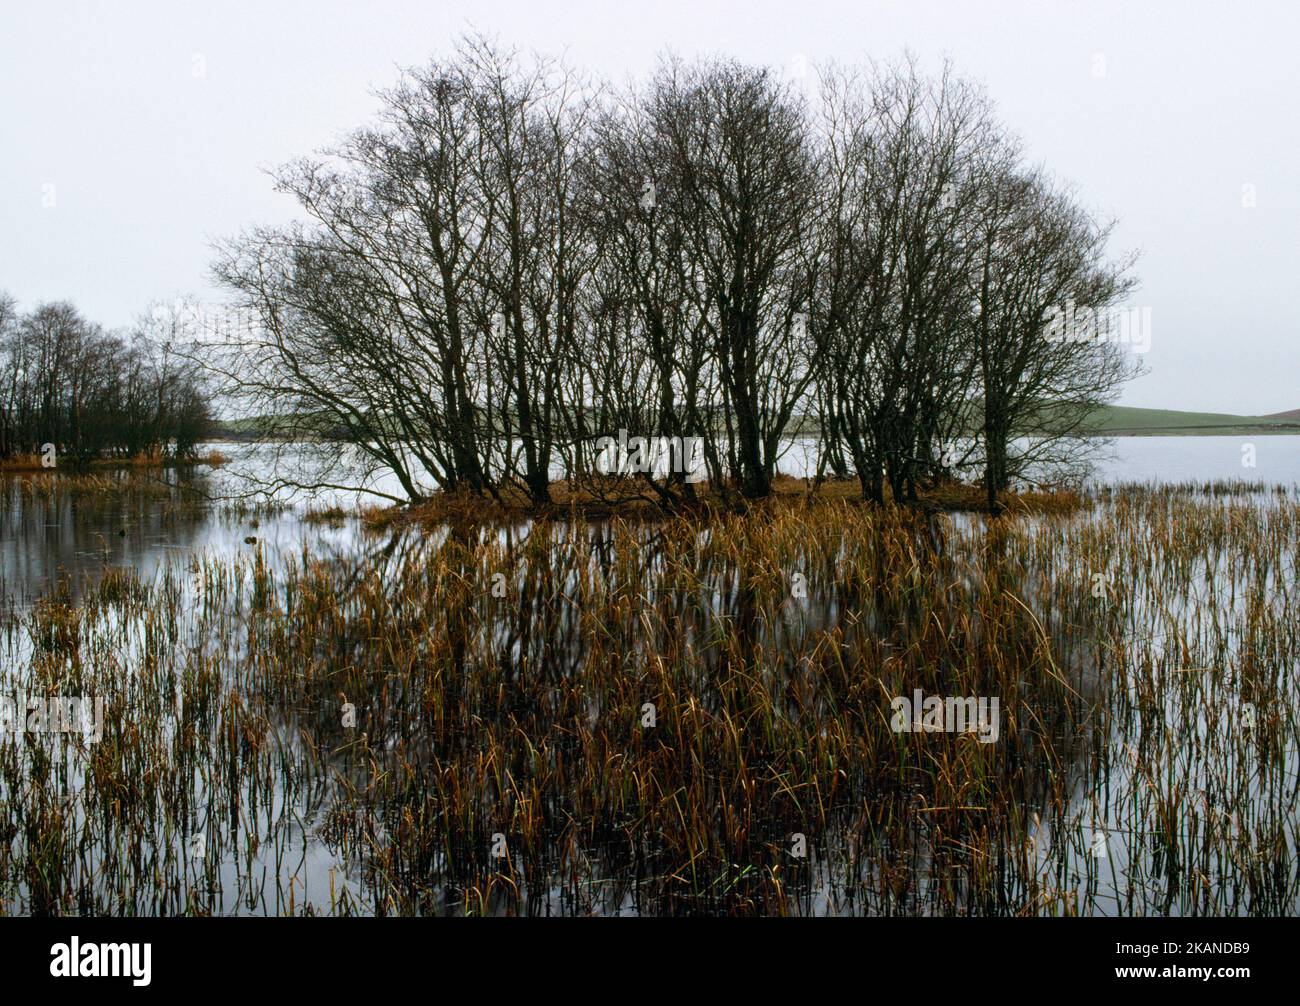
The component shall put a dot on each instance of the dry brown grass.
(499, 679)
(619, 498)
(22, 463)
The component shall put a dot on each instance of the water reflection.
(52, 537)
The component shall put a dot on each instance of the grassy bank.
(1124, 421)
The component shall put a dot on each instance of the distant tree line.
(512, 264)
(94, 394)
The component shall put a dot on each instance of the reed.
(600, 716)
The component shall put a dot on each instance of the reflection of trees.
(61, 528)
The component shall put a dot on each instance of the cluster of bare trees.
(513, 264)
(65, 381)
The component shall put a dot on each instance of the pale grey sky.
(145, 125)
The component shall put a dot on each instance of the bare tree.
(422, 322)
(1039, 252)
(530, 119)
(736, 170)
(891, 321)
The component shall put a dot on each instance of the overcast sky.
(133, 134)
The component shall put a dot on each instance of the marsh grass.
(33, 463)
(577, 501)
(499, 676)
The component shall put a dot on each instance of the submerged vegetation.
(691, 714)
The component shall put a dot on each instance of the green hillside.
(1121, 420)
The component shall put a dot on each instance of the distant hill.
(1122, 420)
(1107, 421)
